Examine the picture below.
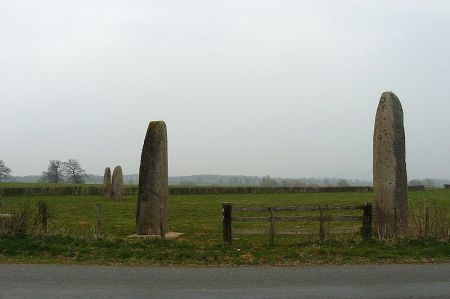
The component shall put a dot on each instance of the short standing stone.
(117, 183)
(152, 206)
(389, 166)
(107, 182)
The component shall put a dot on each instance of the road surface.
(368, 281)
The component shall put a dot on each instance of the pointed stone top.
(157, 123)
(391, 93)
(389, 97)
(117, 169)
(390, 105)
(156, 129)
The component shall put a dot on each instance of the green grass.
(69, 250)
(199, 217)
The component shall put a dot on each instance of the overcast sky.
(280, 88)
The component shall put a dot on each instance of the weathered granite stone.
(153, 194)
(117, 183)
(107, 182)
(389, 167)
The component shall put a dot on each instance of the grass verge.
(71, 250)
(72, 241)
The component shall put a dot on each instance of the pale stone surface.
(107, 182)
(117, 183)
(168, 235)
(389, 166)
(153, 194)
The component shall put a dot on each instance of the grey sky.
(284, 88)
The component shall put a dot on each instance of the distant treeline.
(221, 180)
(429, 183)
(133, 190)
(248, 181)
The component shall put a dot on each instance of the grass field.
(72, 222)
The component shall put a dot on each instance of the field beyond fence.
(55, 189)
(73, 236)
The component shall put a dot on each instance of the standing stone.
(107, 182)
(117, 183)
(153, 194)
(389, 167)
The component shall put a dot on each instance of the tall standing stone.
(117, 183)
(153, 195)
(107, 182)
(389, 166)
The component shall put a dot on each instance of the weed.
(428, 222)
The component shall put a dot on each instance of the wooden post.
(272, 225)
(226, 220)
(427, 223)
(43, 215)
(367, 222)
(396, 226)
(321, 228)
(98, 224)
(161, 222)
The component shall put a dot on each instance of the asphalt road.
(391, 281)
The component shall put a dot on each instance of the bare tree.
(415, 183)
(5, 171)
(267, 181)
(342, 183)
(429, 183)
(300, 183)
(73, 171)
(285, 183)
(54, 173)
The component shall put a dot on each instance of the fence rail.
(299, 208)
(272, 218)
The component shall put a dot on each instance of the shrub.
(428, 222)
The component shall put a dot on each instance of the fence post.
(162, 233)
(396, 224)
(427, 223)
(321, 227)
(367, 221)
(272, 225)
(43, 215)
(226, 219)
(98, 224)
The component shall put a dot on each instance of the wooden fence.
(272, 218)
